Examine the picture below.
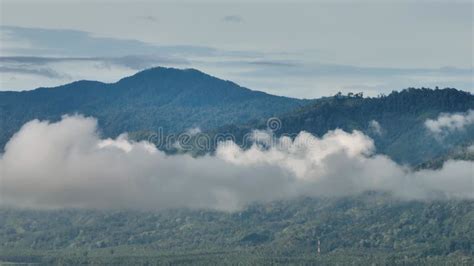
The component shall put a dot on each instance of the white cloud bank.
(66, 164)
(446, 123)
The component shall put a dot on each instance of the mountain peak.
(163, 69)
(169, 98)
(165, 72)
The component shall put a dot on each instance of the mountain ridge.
(167, 98)
(171, 100)
(400, 116)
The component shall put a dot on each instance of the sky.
(297, 49)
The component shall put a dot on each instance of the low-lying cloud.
(66, 164)
(446, 123)
(375, 127)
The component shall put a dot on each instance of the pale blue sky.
(304, 49)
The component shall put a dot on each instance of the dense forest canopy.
(370, 227)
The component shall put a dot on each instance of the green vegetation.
(401, 116)
(159, 98)
(368, 228)
(164, 101)
(373, 227)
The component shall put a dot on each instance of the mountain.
(401, 117)
(167, 98)
(368, 228)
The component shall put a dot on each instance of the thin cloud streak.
(46, 72)
(64, 52)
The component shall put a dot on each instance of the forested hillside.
(368, 228)
(401, 117)
(169, 99)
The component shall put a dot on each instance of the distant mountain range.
(175, 100)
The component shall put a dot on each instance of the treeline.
(400, 115)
